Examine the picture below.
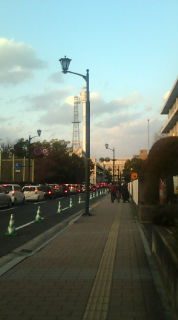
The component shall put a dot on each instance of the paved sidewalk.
(96, 269)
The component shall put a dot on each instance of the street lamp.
(29, 152)
(113, 150)
(65, 65)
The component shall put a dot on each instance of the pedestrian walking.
(118, 192)
(125, 193)
(113, 192)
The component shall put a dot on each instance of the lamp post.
(113, 168)
(65, 65)
(29, 152)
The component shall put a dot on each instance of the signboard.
(18, 166)
(45, 151)
(37, 151)
(134, 176)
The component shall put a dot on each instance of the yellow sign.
(134, 176)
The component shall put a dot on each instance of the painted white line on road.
(25, 225)
(65, 208)
(39, 202)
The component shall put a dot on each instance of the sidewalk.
(96, 269)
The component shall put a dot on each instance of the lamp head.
(65, 64)
(106, 145)
(39, 132)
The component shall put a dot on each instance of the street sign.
(37, 151)
(45, 151)
(18, 166)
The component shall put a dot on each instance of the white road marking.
(25, 225)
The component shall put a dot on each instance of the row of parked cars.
(11, 194)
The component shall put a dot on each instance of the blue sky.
(130, 48)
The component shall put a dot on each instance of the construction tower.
(76, 132)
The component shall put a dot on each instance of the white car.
(33, 193)
(5, 199)
(15, 192)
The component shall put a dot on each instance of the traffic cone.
(70, 204)
(79, 199)
(11, 227)
(38, 215)
(59, 210)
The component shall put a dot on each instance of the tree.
(21, 148)
(6, 150)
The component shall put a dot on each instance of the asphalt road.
(24, 219)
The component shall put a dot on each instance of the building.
(118, 167)
(171, 109)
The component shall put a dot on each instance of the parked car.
(33, 193)
(5, 199)
(15, 193)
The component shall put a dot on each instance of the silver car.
(5, 199)
(15, 192)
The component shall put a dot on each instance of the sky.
(130, 48)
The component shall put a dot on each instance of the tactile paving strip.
(98, 303)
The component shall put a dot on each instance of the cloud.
(49, 100)
(99, 106)
(127, 139)
(18, 62)
(118, 119)
(63, 114)
(56, 77)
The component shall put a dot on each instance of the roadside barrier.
(38, 217)
(11, 227)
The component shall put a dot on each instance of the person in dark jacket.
(113, 192)
(125, 193)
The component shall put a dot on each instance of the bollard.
(79, 199)
(38, 217)
(11, 227)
